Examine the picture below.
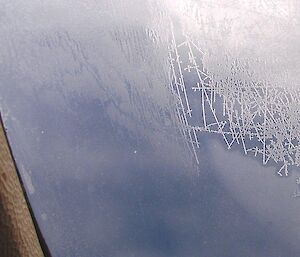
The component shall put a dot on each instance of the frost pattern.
(263, 119)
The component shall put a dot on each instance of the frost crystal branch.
(263, 119)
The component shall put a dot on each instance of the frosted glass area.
(147, 128)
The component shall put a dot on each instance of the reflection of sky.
(92, 129)
(103, 199)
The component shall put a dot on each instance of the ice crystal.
(262, 118)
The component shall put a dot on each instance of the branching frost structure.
(263, 119)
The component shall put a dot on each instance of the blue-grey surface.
(93, 124)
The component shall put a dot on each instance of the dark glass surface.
(130, 122)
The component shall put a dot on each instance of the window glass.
(156, 128)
